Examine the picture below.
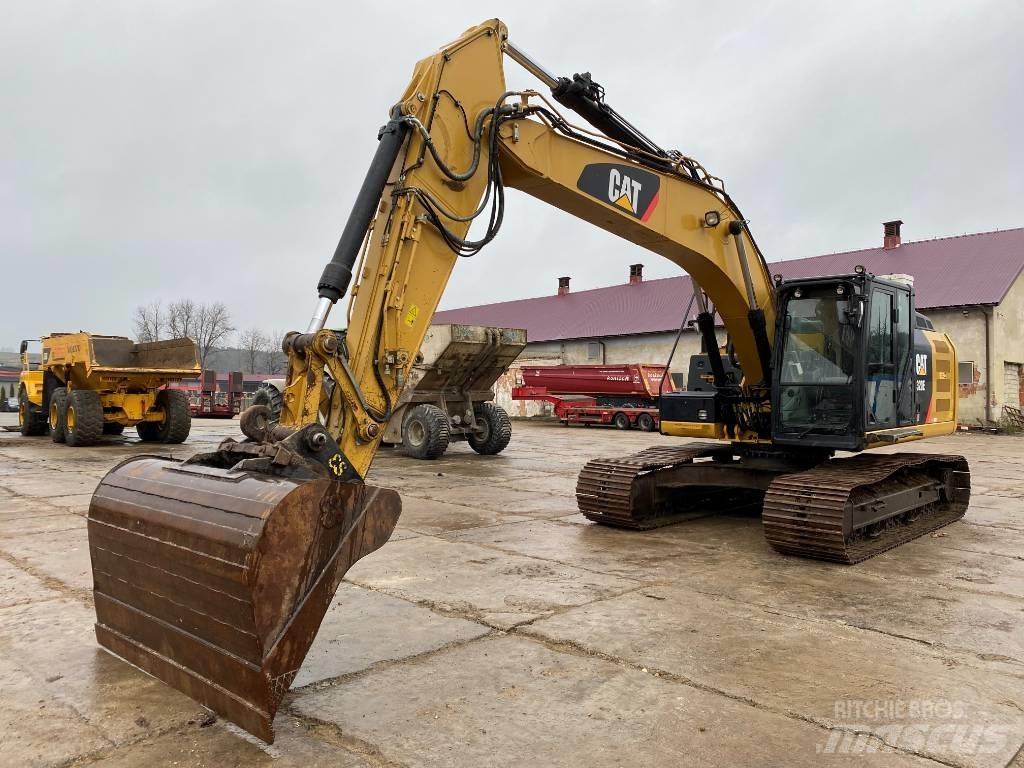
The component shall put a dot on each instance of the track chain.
(623, 491)
(805, 513)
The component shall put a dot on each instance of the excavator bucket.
(216, 580)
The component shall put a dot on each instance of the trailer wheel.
(177, 416)
(645, 422)
(621, 421)
(112, 428)
(58, 406)
(269, 395)
(83, 418)
(497, 430)
(425, 432)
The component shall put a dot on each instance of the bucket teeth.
(215, 581)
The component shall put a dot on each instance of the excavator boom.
(214, 574)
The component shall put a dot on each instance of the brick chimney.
(563, 286)
(892, 234)
(636, 273)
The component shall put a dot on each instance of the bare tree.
(254, 344)
(274, 361)
(212, 326)
(183, 317)
(150, 322)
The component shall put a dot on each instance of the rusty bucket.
(216, 580)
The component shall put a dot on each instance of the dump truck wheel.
(31, 418)
(58, 405)
(149, 431)
(497, 430)
(268, 395)
(425, 433)
(112, 428)
(621, 421)
(83, 418)
(645, 422)
(177, 416)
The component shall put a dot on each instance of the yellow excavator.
(213, 574)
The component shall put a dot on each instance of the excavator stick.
(215, 580)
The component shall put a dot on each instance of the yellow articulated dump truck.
(86, 386)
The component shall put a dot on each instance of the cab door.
(903, 325)
(881, 370)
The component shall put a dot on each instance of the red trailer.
(625, 396)
(632, 382)
(207, 400)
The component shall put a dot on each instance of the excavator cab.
(819, 363)
(854, 363)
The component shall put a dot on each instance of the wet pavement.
(500, 628)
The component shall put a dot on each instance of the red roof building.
(966, 270)
(969, 285)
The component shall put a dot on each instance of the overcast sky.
(213, 149)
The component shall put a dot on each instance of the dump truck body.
(87, 385)
(449, 393)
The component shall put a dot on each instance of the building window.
(965, 373)
(594, 350)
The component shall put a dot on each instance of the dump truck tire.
(31, 418)
(621, 421)
(58, 406)
(497, 433)
(112, 428)
(149, 431)
(83, 418)
(177, 416)
(268, 395)
(425, 433)
(645, 422)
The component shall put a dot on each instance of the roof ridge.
(684, 275)
(910, 242)
(650, 306)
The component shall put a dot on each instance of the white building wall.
(966, 327)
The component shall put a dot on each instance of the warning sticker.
(411, 315)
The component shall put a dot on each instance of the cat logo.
(922, 365)
(629, 188)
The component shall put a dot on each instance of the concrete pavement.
(499, 627)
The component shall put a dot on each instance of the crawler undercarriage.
(845, 510)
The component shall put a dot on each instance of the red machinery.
(623, 395)
(207, 400)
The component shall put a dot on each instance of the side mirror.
(850, 312)
(843, 313)
(24, 347)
